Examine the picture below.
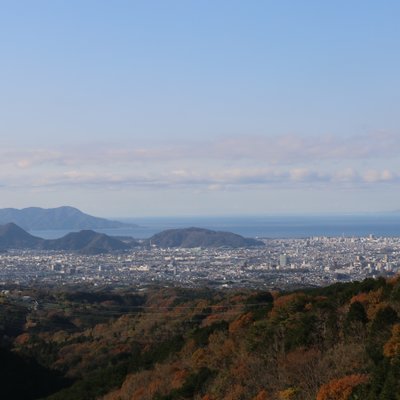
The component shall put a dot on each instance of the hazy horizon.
(132, 218)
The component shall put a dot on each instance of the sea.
(277, 226)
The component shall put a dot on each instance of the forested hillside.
(339, 342)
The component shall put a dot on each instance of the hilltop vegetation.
(340, 342)
(199, 237)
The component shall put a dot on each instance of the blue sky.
(139, 108)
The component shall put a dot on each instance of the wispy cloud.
(272, 150)
(215, 180)
(284, 161)
(287, 149)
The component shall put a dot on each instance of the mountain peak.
(60, 218)
(13, 236)
(11, 227)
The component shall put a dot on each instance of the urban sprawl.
(282, 263)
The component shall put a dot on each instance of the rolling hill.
(84, 242)
(199, 237)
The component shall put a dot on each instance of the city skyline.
(182, 108)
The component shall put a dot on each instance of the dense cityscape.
(282, 263)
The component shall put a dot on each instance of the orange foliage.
(237, 392)
(219, 313)
(360, 297)
(139, 393)
(285, 302)
(100, 330)
(261, 396)
(282, 301)
(188, 349)
(60, 336)
(181, 310)
(200, 306)
(120, 349)
(308, 307)
(226, 349)
(341, 389)
(275, 294)
(22, 339)
(241, 322)
(179, 378)
(219, 351)
(145, 385)
(30, 324)
(393, 281)
(372, 301)
(199, 358)
(288, 394)
(238, 298)
(392, 346)
(153, 387)
(210, 319)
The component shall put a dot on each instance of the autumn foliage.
(336, 343)
(392, 346)
(342, 388)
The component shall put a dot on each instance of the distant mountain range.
(60, 218)
(198, 237)
(89, 242)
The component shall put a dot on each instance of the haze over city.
(200, 108)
